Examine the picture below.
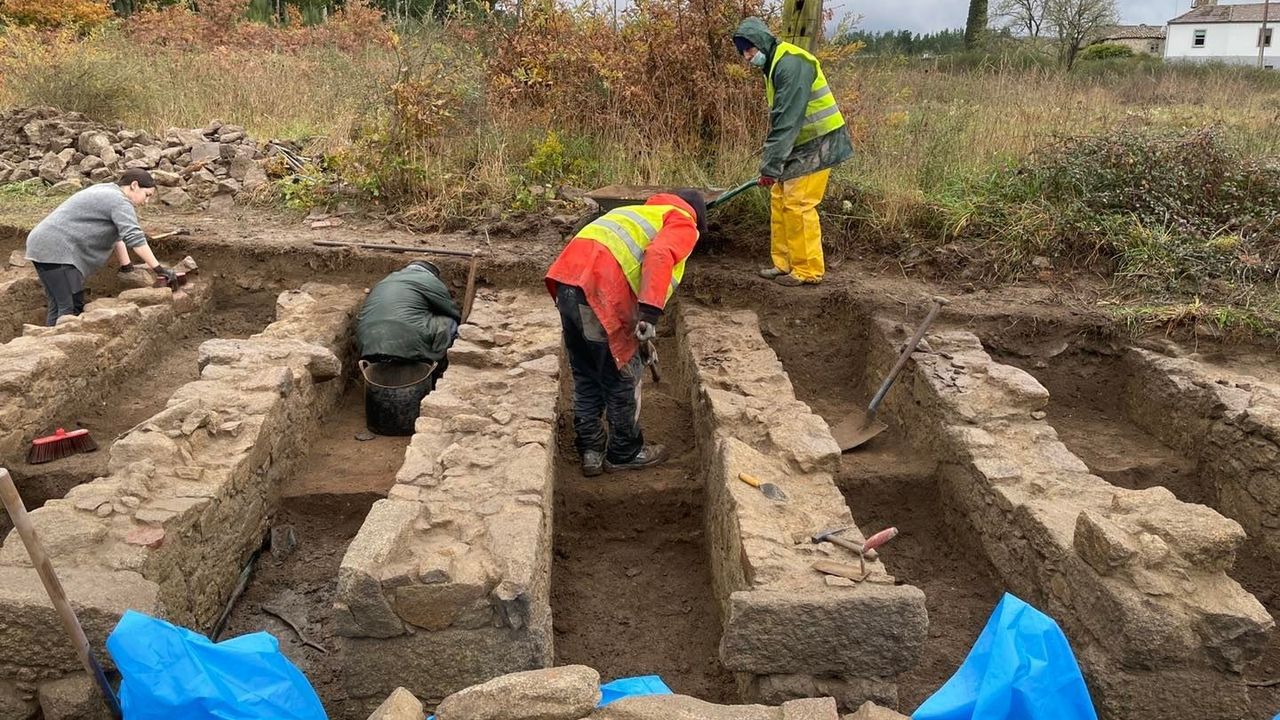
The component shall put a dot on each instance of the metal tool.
(861, 426)
(771, 491)
(833, 536)
(12, 502)
(829, 567)
(728, 195)
(649, 356)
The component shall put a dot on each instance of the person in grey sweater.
(76, 239)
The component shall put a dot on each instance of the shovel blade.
(856, 430)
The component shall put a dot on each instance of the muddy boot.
(770, 273)
(592, 463)
(648, 456)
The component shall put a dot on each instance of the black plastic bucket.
(393, 393)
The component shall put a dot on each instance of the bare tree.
(1023, 16)
(1076, 22)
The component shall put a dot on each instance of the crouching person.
(403, 334)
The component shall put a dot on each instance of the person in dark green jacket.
(807, 137)
(409, 316)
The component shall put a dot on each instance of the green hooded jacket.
(792, 80)
(408, 315)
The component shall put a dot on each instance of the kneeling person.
(409, 316)
(611, 283)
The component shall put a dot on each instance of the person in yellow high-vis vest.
(807, 137)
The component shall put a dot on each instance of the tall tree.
(1024, 17)
(976, 27)
(1075, 23)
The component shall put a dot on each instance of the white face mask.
(758, 59)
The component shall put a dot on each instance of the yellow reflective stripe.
(821, 115)
(633, 247)
(640, 220)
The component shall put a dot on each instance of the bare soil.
(339, 463)
(1085, 407)
(631, 589)
(302, 585)
(885, 483)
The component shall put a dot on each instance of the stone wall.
(447, 584)
(188, 492)
(1229, 423)
(20, 295)
(1137, 579)
(49, 372)
(573, 692)
(789, 631)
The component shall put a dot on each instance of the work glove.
(125, 269)
(647, 327)
(170, 277)
(766, 181)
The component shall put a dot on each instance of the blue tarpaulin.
(1021, 668)
(170, 672)
(632, 687)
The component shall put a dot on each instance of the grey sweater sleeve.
(125, 217)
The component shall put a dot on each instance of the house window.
(1154, 48)
(1264, 37)
(1198, 40)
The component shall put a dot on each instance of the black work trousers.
(63, 289)
(600, 388)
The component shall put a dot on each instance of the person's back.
(83, 230)
(409, 315)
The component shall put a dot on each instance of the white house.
(1223, 33)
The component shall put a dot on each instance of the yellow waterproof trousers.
(797, 235)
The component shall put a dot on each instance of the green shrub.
(1106, 51)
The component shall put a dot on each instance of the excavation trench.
(890, 483)
(631, 590)
(1091, 397)
(324, 502)
(232, 313)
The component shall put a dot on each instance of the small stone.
(364, 436)
(834, 581)
(502, 417)
(104, 510)
(1038, 415)
(545, 365)
(400, 705)
(130, 502)
(502, 338)
(148, 537)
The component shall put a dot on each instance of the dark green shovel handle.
(731, 194)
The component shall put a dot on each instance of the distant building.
(1223, 33)
(1142, 39)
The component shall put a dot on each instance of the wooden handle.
(22, 522)
(751, 480)
(879, 539)
(830, 567)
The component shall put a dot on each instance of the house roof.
(1132, 32)
(1249, 12)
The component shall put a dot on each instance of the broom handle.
(18, 513)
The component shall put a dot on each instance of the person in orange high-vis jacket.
(611, 283)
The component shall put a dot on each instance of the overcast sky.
(930, 15)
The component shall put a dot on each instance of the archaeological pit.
(1127, 489)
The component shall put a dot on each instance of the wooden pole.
(802, 23)
(12, 502)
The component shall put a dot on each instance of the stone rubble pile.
(68, 151)
(572, 692)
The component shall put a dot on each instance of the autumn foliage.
(55, 13)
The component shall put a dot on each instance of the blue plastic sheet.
(632, 687)
(1021, 668)
(170, 672)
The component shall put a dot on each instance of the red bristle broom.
(59, 445)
